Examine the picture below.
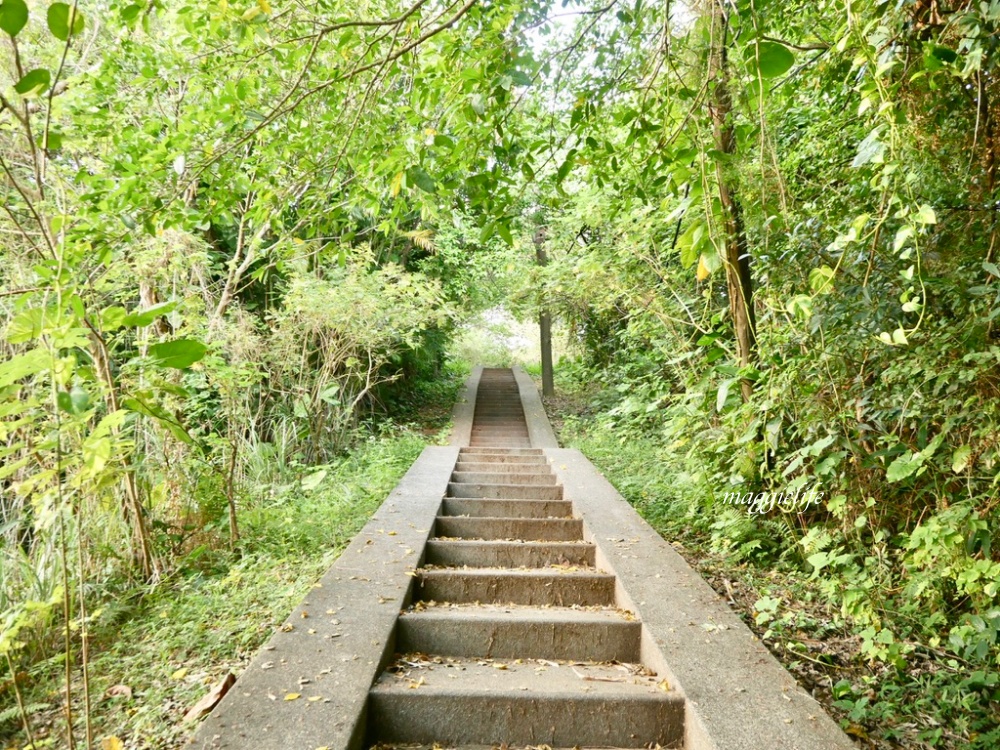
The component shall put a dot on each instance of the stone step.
(506, 477)
(474, 702)
(483, 432)
(500, 451)
(508, 442)
(506, 467)
(500, 462)
(493, 553)
(462, 506)
(506, 491)
(534, 587)
(527, 529)
(520, 633)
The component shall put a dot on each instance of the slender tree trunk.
(737, 261)
(545, 323)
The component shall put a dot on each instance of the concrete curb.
(539, 429)
(738, 696)
(465, 410)
(331, 648)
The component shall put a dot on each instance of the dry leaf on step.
(206, 704)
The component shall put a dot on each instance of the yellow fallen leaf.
(314, 698)
(179, 674)
(702, 273)
(293, 696)
(112, 743)
(664, 686)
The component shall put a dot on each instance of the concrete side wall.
(331, 648)
(539, 429)
(739, 696)
(465, 410)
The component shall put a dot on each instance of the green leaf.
(131, 12)
(421, 179)
(142, 318)
(903, 466)
(869, 150)
(960, 459)
(60, 23)
(178, 354)
(772, 58)
(24, 365)
(74, 401)
(821, 280)
(926, 215)
(33, 83)
(13, 16)
(150, 409)
(566, 166)
(520, 78)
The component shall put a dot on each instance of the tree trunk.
(545, 324)
(737, 255)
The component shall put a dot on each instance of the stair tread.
(529, 679)
(523, 613)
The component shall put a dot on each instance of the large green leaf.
(13, 16)
(178, 354)
(35, 83)
(64, 21)
(773, 59)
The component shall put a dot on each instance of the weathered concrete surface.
(465, 409)
(501, 477)
(464, 506)
(739, 696)
(334, 643)
(538, 587)
(560, 706)
(505, 491)
(542, 435)
(525, 529)
(508, 554)
(494, 632)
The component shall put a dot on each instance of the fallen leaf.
(112, 743)
(314, 698)
(293, 696)
(211, 699)
(179, 674)
(118, 691)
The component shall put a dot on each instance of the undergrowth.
(155, 653)
(910, 687)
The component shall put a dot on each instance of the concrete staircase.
(513, 636)
(505, 595)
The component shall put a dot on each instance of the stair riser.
(506, 467)
(507, 554)
(526, 719)
(507, 508)
(506, 477)
(463, 637)
(501, 452)
(505, 491)
(500, 442)
(527, 529)
(557, 591)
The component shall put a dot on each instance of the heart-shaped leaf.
(34, 83)
(64, 21)
(13, 16)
